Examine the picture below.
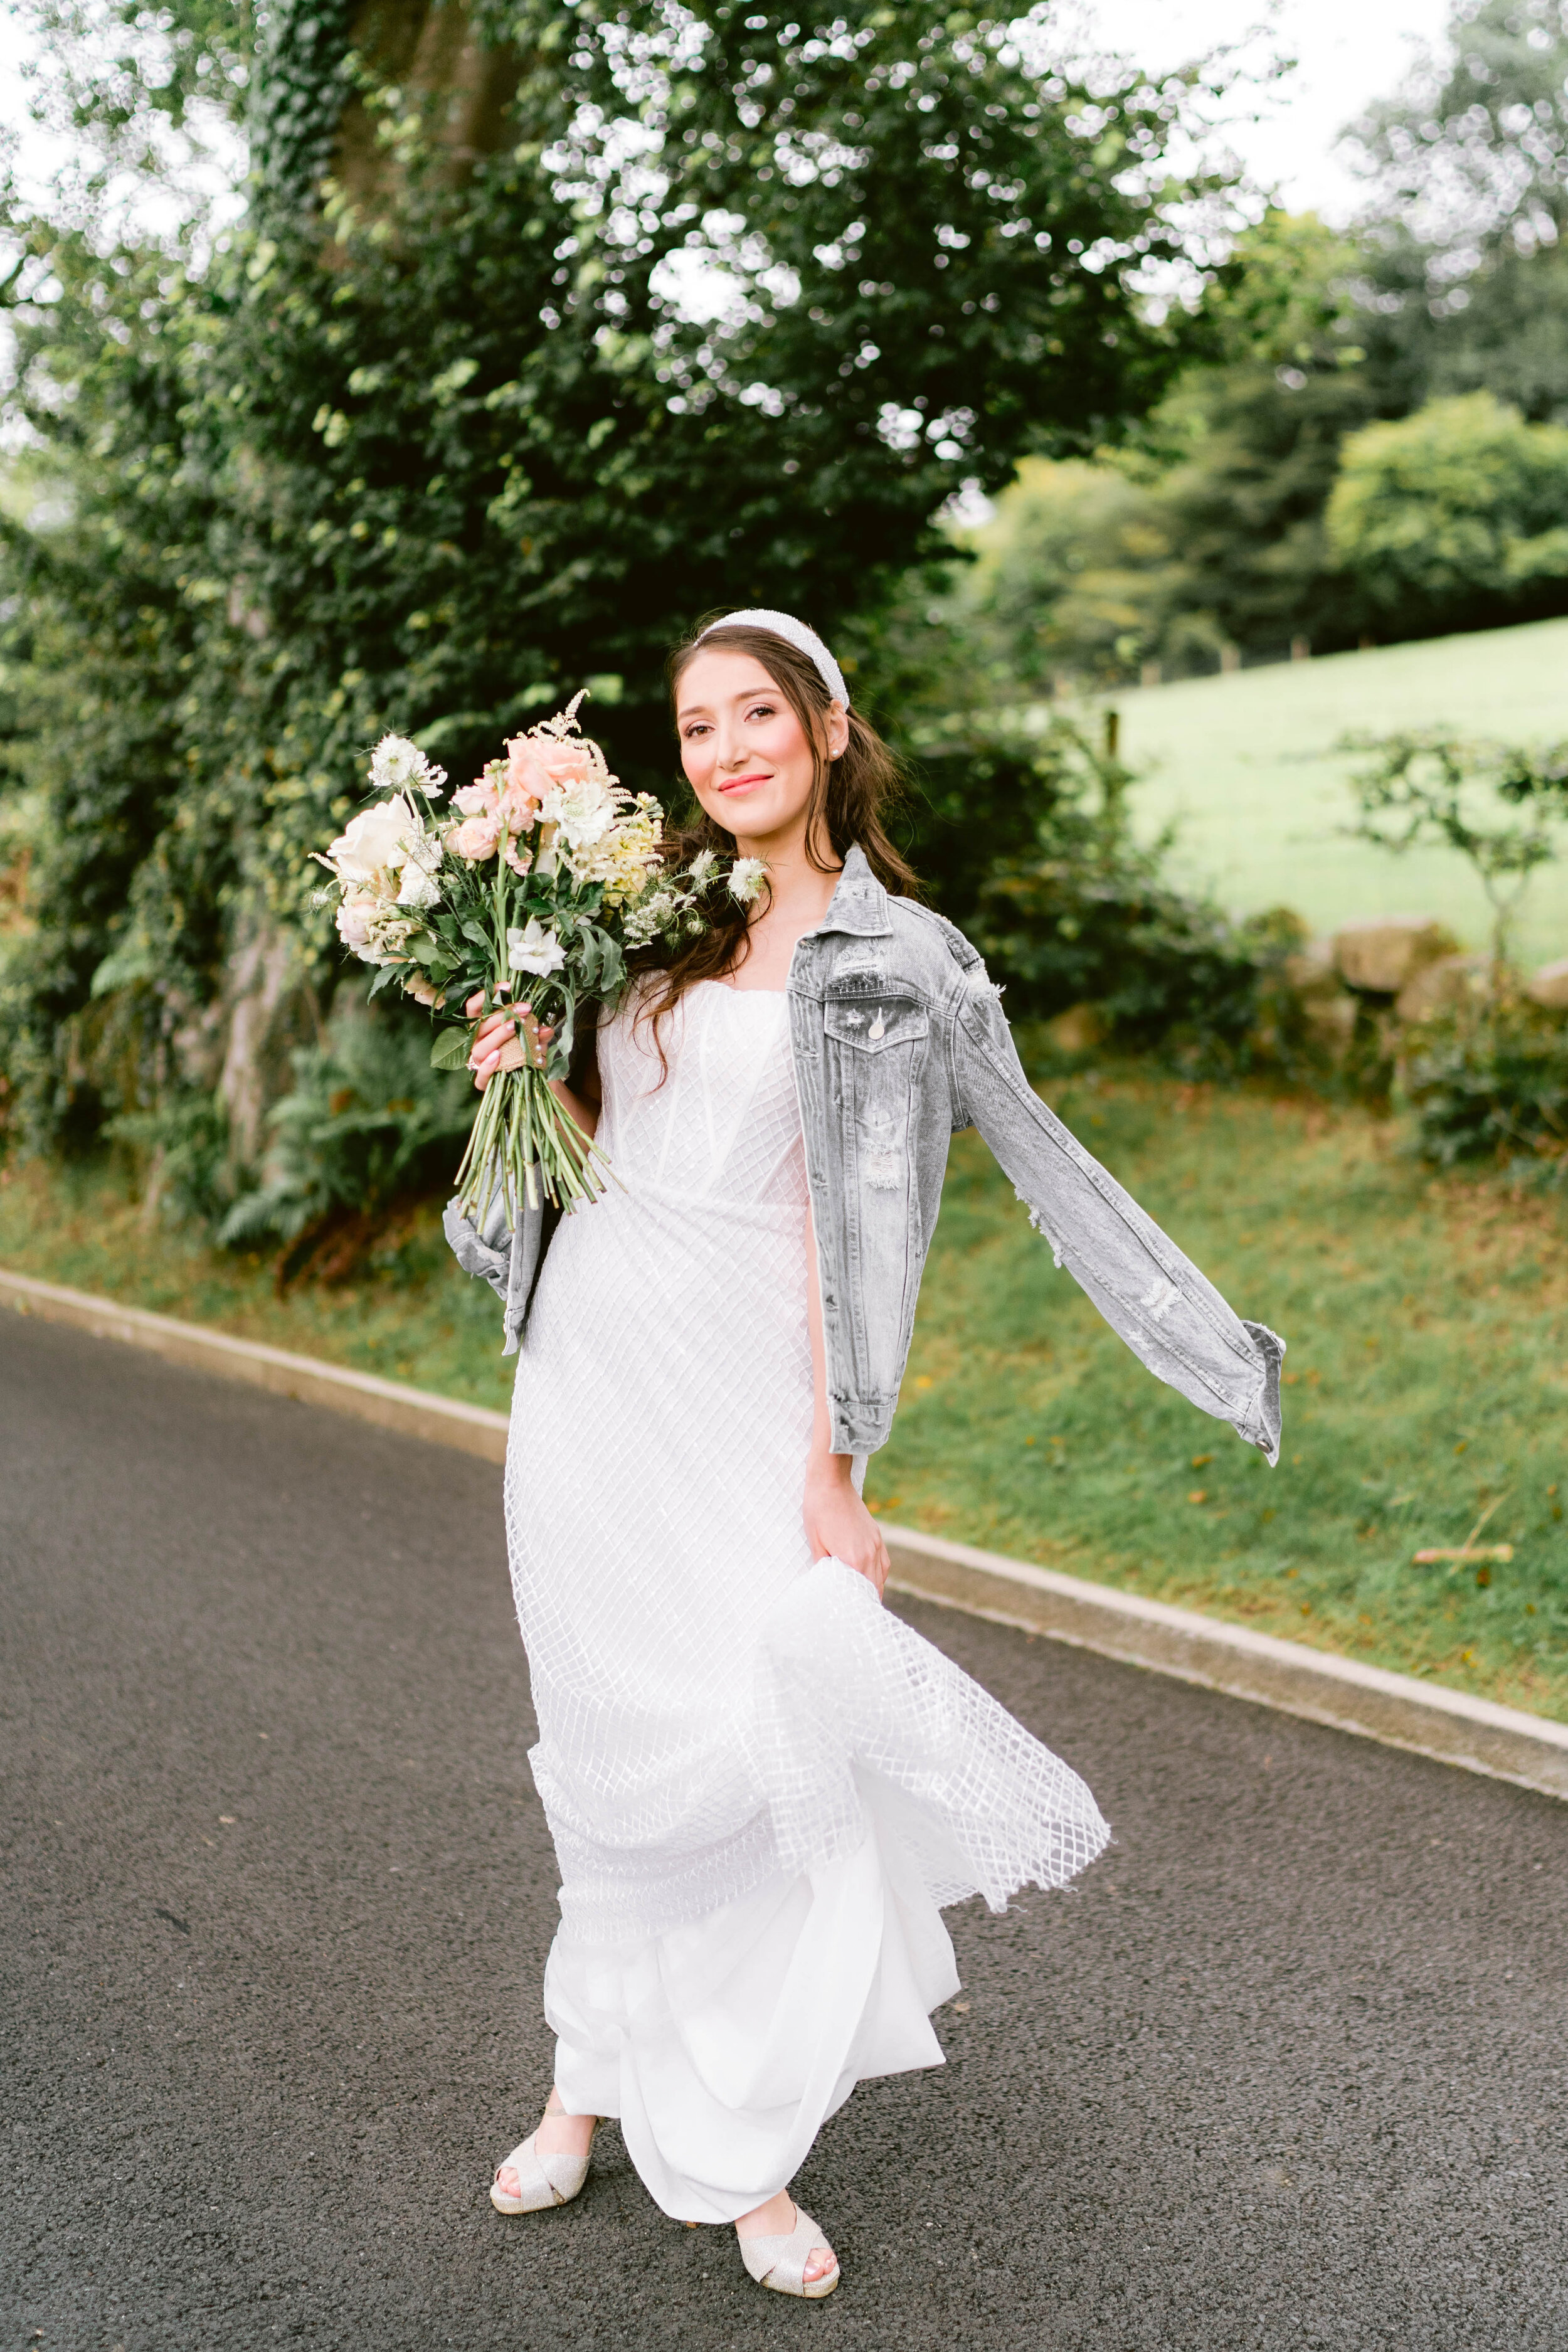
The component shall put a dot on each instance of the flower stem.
(524, 1142)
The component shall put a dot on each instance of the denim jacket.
(900, 1041)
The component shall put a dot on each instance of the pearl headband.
(795, 633)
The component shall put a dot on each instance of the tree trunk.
(270, 1010)
(462, 84)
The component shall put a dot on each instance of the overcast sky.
(1349, 51)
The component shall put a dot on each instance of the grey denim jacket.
(900, 1041)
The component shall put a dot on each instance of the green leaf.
(450, 1051)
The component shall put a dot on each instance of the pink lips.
(738, 783)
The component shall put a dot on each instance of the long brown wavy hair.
(850, 798)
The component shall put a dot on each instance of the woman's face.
(746, 755)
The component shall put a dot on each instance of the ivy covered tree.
(548, 329)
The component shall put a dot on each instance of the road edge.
(412, 1413)
(1429, 1720)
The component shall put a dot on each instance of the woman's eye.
(761, 710)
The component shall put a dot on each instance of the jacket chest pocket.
(884, 1035)
(875, 1024)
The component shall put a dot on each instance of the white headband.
(795, 633)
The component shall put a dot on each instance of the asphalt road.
(1288, 2071)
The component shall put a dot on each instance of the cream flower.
(654, 913)
(355, 919)
(371, 844)
(419, 887)
(746, 877)
(395, 763)
(582, 811)
(535, 950)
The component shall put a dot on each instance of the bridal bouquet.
(528, 891)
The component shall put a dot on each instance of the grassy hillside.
(1247, 765)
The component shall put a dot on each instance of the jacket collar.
(859, 903)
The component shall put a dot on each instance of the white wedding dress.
(761, 1784)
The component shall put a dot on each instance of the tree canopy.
(548, 329)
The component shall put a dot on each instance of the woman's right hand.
(496, 1033)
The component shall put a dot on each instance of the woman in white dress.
(761, 1785)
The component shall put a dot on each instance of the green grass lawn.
(412, 1316)
(1245, 765)
(1427, 1376)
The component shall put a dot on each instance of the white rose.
(534, 949)
(372, 844)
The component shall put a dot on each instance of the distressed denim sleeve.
(1173, 1320)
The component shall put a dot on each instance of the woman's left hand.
(489, 1052)
(838, 1524)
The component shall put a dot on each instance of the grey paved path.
(1287, 2072)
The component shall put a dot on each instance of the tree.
(1074, 574)
(1211, 532)
(1473, 149)
(549, 329)
(1466, 166)
(1454, 518)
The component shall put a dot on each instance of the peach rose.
(564, 763)
(476, 838)
(528, 778)
(480, 798)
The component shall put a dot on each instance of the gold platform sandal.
(544, 2179)
(780, 2262)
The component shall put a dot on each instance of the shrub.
(1026, 843)
(184, 1146)
(1490, 1082)
(1453, 518)
(366, 1127)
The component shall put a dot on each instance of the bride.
(762, 1787)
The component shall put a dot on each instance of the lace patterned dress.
(762, 1786)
